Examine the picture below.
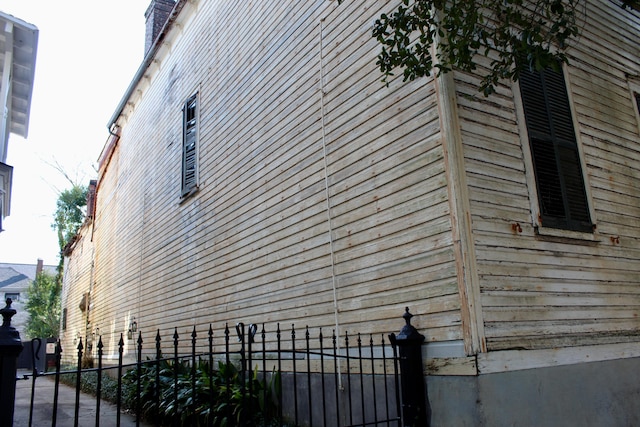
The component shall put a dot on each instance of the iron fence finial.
(7, 313)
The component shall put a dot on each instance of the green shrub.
(222, 395)
(89, 384)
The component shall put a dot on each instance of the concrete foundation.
(588, 394)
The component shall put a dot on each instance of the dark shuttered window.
(189, 143)
(556, 159)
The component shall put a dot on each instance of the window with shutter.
(556, 160)
(189, 145)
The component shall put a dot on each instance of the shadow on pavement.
(43, 406)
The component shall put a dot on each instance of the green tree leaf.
(69, 216)
(421, 37)
(43, 306)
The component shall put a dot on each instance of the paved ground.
(43, 406)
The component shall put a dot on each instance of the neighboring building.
(15, 280)
(18, 47)
(258, 171)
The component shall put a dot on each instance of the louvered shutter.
(189, 154)
(558, 172)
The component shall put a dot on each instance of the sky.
(88, 53)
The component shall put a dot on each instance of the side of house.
(258, 171)
(75, 299)
(550, 279)
(552, 254)
(18, 51)
(312, 201)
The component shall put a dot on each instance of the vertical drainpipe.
(326, 186)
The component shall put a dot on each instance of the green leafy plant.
(68, 218)
(43, 306)
(421, 36)
(225, 396)
(89, 384)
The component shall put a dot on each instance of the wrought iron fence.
(247, 377)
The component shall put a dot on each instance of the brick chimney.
(91, 199)
(39, 266)
(156, 16)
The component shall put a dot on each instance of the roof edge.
(36, 32)
(148, 59)
(19, 21)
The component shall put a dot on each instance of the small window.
(189, 145)
(556, 159)
(13, 296)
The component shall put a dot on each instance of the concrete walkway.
(43, 406)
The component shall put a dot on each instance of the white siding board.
(556, 286)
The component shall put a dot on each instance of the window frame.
(189, 156)
(541, 226)
(634, 89)
(15, 296)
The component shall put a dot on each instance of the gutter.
(148, 59)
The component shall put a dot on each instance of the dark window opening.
(189, 154)
(556, 159)
(15, 296)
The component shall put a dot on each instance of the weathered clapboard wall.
(330, 200)
(77, 281)
(387, 186)
(551, 291)
(322, 194)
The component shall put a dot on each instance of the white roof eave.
(20, 47)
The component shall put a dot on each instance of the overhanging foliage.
(419, 37)
(512, 34)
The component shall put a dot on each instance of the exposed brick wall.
(156, 16)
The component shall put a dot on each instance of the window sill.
(187, 196)
(568, 236)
